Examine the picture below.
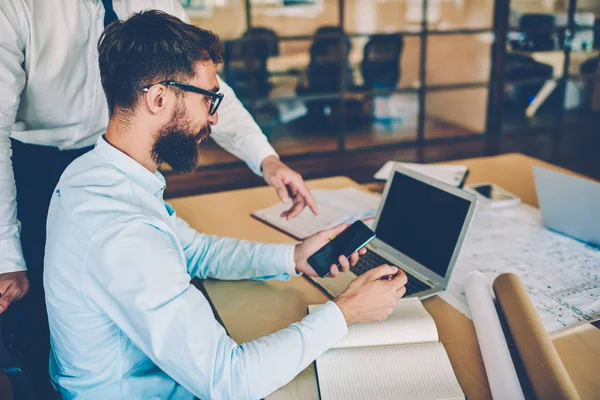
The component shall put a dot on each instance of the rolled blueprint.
(499, 367)
(547, 374)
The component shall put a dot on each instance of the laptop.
(570, 205)
(421, 224)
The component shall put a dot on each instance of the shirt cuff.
(290, 264)
(11, 256)
(267, 151)
(329, 318)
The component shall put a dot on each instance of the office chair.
(589, 66)
(328, 71)
(329, 30)
(245, 68)
(538, 33)
(520, 67)
(380, 68)
(266, 41)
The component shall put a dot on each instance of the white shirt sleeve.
(147, 294)
(13, 32)
(237, 132)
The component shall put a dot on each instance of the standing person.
(52, 110)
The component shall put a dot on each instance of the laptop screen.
(422, 222)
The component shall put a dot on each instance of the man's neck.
(131, 141)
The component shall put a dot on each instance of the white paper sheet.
(499, 368)
(413, 372)
(409, 323)
(451, 174)
(336, 206)
(561, 275)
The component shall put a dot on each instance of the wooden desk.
(253, 309)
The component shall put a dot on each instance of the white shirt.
(50, 92)
(125, 322)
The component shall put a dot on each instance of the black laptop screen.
(422, 222)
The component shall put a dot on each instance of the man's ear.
(157, 99)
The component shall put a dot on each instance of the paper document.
(561, 275)
(499, 367)
(336, 206)
(397, 358)
(453, 175)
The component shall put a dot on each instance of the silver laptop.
(420, 226)
(570, 205)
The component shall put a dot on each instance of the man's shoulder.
(94, 193)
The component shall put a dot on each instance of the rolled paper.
(500, 370)
(546, 373)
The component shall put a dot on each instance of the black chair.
(380, 67)
(539, 31)
(266, 41)
(328, 71)
(520, 67)
(245, 68)
(589, 66)
(329, 30)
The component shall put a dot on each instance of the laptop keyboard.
(372, 260)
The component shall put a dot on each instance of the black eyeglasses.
(216, 98)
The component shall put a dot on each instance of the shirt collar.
(154, 183)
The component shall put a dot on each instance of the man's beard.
(177, 144)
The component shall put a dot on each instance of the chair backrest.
(519, 66)
(539, 30)
(245, 68)
(380, 66)
(266, 41)
(329, 56)
(590, 66)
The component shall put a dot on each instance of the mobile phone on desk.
(352, 239)
(493, 195)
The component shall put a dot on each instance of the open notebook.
(336, 206)
(399, 358)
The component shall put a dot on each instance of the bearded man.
(125, 322)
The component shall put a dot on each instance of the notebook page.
(408, 323)
(304, 224)
(336, 206)
(415, 372)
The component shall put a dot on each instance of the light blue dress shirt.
(126, 323)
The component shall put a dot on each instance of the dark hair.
(149, 47)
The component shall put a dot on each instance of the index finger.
(295, 209)
(308, 197)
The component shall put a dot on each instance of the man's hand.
(372, 296)
(13, 286)
(288, 184)
(314, 243)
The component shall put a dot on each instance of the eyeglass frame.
(216, 97)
